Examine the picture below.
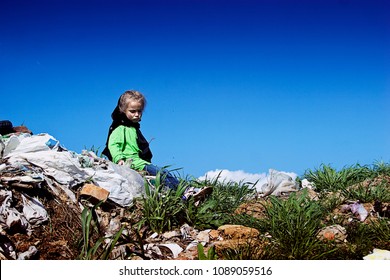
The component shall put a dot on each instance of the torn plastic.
(357, 209)
(10, 218)
(307, 184)
(185, 231)
(26, 143)
(7, 249)
(34, 211)
(174, 248)
(29, 254)
(278, 183)
(66, 168)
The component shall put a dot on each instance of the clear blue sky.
(237, 85)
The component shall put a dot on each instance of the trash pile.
(44, 189)
(37, 171)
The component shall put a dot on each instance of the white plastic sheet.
(278, 183)
(123, 183)
(26, 143)
(11, 218)
(34, 211)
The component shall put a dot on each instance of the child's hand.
(121, 162)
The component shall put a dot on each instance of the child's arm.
(116, 145)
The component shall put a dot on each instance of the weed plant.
(365, 236)
(162, 208)
(381, 168)
(211, 255)
(95, 248)
(330, 201)
(246, 251)
(328, 179)
(219, 207)
(369, 193)
(293, 224)
(362, 238)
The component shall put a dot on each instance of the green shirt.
(123, 145)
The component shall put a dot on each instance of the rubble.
(94, 193)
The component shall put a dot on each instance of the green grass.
(293, 225)
(327, 178)
(245, 251)
(162, 209)
(93, 246)
(369, 193)
(219, 207)
(211, 255)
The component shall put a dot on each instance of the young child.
(125, 142)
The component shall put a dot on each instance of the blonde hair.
(131, 95)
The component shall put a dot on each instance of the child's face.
(134, 111)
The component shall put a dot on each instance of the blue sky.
(235, 85)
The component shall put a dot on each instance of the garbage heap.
(40, 187)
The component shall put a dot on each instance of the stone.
(94, 192)
(214, 234)
(238, 232)
(235, 236)
(334, 233)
